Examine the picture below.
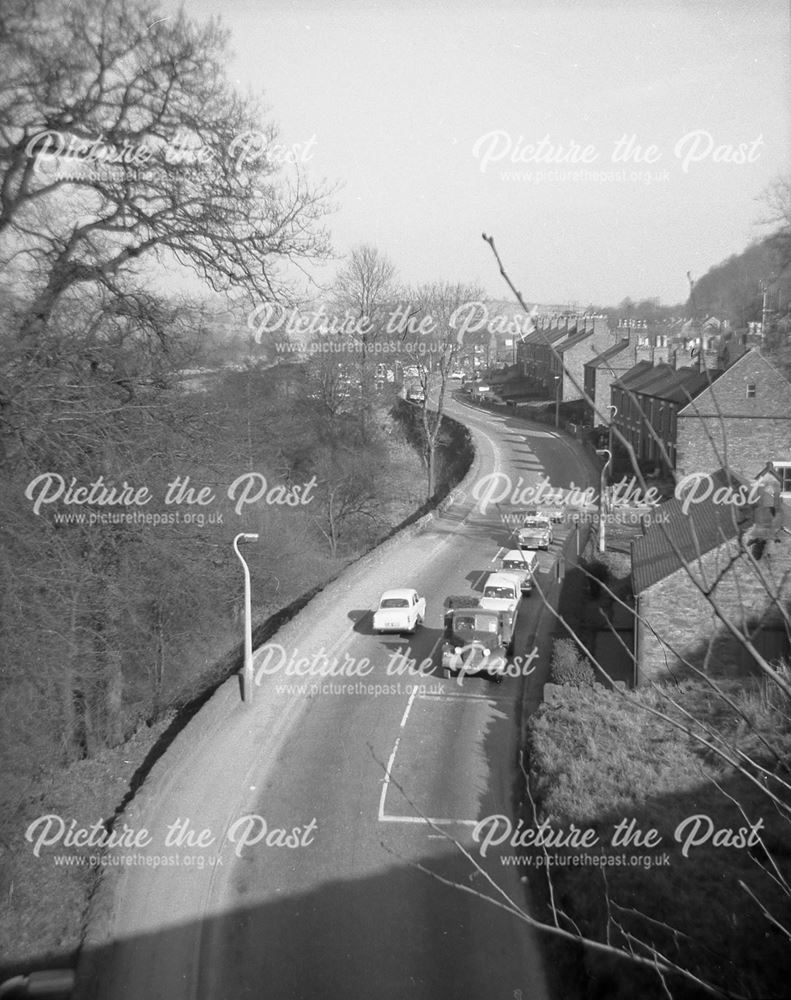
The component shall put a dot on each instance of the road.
(376, 791)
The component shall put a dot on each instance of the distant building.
(591, 336)
(553, 356)
(637, 343)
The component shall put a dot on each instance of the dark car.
(476, 641)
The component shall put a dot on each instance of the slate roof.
(638, 374)
(603, 360)
(574, 339)
(544, 336)
(704, 527)
(664, 382)
(515, 388)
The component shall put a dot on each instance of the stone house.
(648, 399)
(636, 345)
(599, 374)
(591, 340)
(558, 349)
(741, 554)
(742, 421)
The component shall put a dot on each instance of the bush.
(568, 667)
(599, 574)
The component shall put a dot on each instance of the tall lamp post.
(557, 401)
(604, 470)
(247, 670)
(613, 414)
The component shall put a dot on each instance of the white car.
(399, 611)
(554, 514)
(502, 592)
(535, 533)
(523, 565)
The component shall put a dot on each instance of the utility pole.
(696, 328)
(764, 289)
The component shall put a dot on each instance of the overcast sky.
(421, 113)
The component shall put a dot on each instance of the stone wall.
(741, 444)
(675, 614)
(756, 429)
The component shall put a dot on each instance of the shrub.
(568, 667)
(599, 574)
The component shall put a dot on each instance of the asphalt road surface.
(370, 786)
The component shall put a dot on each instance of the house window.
(751, 390)
(783, 470)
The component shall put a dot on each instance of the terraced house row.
(692, 420)
(725, 414)
(727, 406)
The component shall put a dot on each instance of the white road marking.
(427, 820)
(451, 695)
(408, 707)
(386, 781)
(384, 818)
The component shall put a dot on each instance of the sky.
(608, 147)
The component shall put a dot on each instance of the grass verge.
(597, 761)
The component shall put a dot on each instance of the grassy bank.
(595, 761)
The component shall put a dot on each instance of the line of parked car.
(479, 630)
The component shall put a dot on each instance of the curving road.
(369, 786)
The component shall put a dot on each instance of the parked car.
(475, 640)
(535, 533)
(399, 611)
(554, 514)
(522, 565)
(502, 592)
(415, 394)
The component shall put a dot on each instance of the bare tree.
(365, 283)
(121, 142)
(363, 296)
(443, 308)
(347, 499)
(123, 148)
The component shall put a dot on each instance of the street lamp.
(613, 414)
(605, 469)
(557, 401)
(247, 672)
